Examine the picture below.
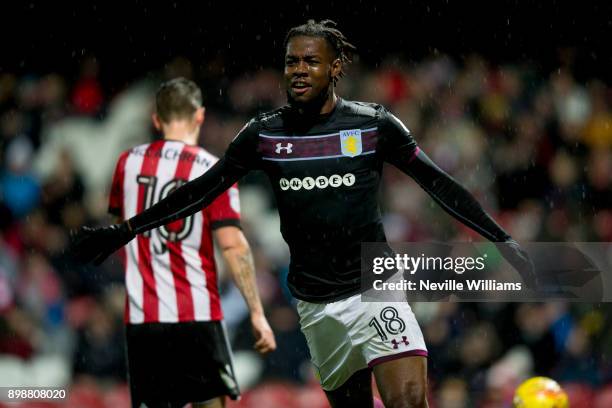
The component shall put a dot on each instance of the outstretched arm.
(462, 205)
(399, 148)
(451, 196)
(96, 244)
(237, 254)
(189, 198)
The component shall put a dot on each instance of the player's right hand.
(96, 244)
(264, 337)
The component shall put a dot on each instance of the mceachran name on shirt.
(475, 285)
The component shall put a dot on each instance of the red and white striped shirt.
(170, 272)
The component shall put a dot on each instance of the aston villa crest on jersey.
(350, 142)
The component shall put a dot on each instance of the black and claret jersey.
(325, 176)
(325, 172)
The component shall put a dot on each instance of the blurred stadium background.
(515, 101)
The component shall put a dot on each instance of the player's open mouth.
(300, 88)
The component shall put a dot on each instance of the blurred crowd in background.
(534, 147)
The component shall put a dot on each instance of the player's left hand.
(264, 337)
(96, 244)
(520, 260)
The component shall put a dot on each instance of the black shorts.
(172, 364)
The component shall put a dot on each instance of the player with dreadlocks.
(324, 157)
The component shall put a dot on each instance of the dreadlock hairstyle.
(326, 29)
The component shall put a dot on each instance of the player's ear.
(336, 68)
(156, 122)
(200, 114)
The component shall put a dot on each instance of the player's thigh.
(355, 392)
(333, 355)
(386, 331)
(402, 382)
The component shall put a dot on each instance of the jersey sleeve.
(453, 197)
(225, 209)
(115, 200)
(396, 142)
(240, 157)
(242, 151)
(400, 149)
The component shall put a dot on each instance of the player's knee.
(412, 394)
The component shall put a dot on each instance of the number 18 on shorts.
(348, 335)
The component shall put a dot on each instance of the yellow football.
(540, 392)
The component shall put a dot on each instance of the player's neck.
(181, 132)
(329, 104)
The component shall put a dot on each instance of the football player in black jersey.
(324, 157)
